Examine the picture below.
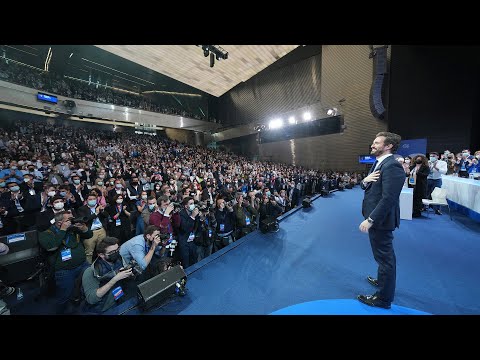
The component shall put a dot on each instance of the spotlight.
(307, 116)
(332, 112)
(206, 52)
(291, 120)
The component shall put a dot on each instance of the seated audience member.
(64, 244)
(105, 283)
(189, 224)
(97, 220)
(46, 218)
(225, 224)
(119, 225)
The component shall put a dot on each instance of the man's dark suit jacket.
(381, 200)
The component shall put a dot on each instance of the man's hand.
(123, 274)
(81, 226)
(364, 226)
(195, 212)
(372, 177)
(169, 209)
(65, 225)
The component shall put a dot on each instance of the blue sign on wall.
(415, 146)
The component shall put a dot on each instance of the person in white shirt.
(437, 169)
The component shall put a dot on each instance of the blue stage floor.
(318, 261)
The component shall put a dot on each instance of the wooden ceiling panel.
(187, 63)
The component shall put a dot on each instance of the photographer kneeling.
(148, 250)
(106, 283)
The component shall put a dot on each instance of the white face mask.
(119, 201)
(191, 207)
(51, 193)
(58, 206)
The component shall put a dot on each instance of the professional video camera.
(168, 242)
(176, 207)
(80, 220)
(136, 269)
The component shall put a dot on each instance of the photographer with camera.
(269, 209)
(244, 211)
(166, 216)
(205, 235)
(66, 254)
(225, 224)
(106, 283)
(147, 250)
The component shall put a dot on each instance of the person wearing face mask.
(78, 190)
(406, 165)
(464, 163)
(140, 205)
(106, 283)
(46, 218)
(64, 243)
(12, 174)
(149, 209)
(189, 224)
(418, 181)
(165, 217)
(118, 189)
(119, 224)
(37, 175)
(225, 224)
(133, 189)
(97, 223)
(475, 168)
(434, 179)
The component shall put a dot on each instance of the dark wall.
(434, 94)
(290, 83)
(244, 145)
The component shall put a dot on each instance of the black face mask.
(419, 161)
(113, 257)
(135, 183)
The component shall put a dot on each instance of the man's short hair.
(433, 153)
(391, 138)
(150, 230)
(106, 242)
(186, 200)
(163, 198)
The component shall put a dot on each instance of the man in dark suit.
(381, 211)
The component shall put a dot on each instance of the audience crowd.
(92, 91)
(112, 209)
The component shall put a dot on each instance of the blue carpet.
(317, 264)
(320, 254)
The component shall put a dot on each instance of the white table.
(406, 203)
(465, 192)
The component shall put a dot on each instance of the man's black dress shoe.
(372, 281)
(373, 300)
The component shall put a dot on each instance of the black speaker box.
(156, 289)
(269, 224)
(307, 202)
